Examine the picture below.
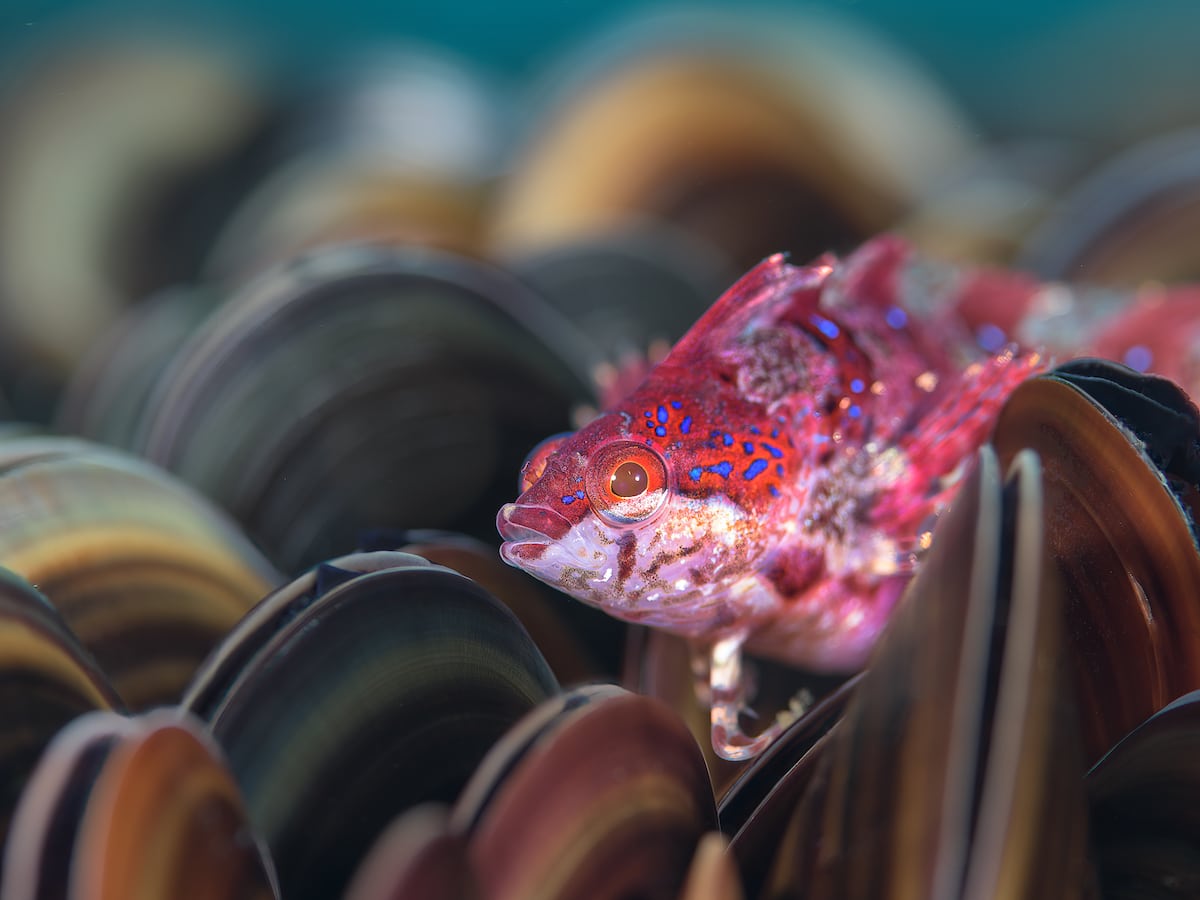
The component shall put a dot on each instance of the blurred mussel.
(146, 573)
(47, 678)
(799, 133)
(1131, 219)
(372, 684)
(134, 808)
(400, 145)
(363, 387)
(112, 186)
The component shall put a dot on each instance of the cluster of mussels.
(270, 367)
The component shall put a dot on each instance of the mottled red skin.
(812, 426)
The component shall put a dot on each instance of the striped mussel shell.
(362, 388)
(597, 793)
(136, 809)
(146, 573)
(370, 685)
(47, 678)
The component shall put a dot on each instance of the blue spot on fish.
(568, 498)
(727, 439)
(896, 317)
(661, 431)
(857, 386)
(1138, 357)
(775, 433)
(723, 468)
(579, 495)
(675, 404)
(662, 414)
(774, 451)
(695, 473)
(778, 468)
(748, 447)
(827, 328)
(754, 429)
(855, 411)
(686, 425)
(755, 469)
(774, 491)
(990, 338)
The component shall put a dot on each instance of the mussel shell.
(140, 808)
(147, 573)
(603, 794)
(735, 129)
(366, 387)
(1121, 543)
(106, 396)
(47, 678)
(377, 693)
(628, 288)
(955, 769)
(1145, 807)
(419, 855)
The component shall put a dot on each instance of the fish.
(771, 485)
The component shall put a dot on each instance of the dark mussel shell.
(597, 794)
(134, 808)
(373, 684)
(145, 572)
(955, 769)
(106, 396)
(366, 387)
(1119, 452)
(1145, 807)
(47, 678)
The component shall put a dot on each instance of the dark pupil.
(628, 480)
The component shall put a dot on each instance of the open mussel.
(145, 572)
(120, 808)
(365, 387)
(372, 684)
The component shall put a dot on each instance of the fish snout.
(528, 530)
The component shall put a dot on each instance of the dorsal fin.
(763, 296)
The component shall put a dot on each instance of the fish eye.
(626, 483)
(628, 480)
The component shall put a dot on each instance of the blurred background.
(147, 151)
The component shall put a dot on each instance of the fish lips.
(527, 531)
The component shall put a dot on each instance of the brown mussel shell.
(123, 809)
(598, 794)
(1119, 537)
(145, 572)
(419, 855)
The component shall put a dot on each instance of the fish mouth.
(527, 531)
